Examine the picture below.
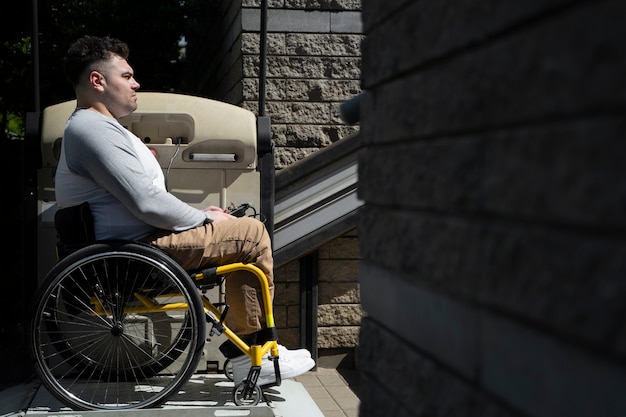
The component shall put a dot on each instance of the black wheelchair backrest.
(74, 226)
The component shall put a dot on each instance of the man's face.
(120, 87)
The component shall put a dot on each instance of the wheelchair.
(120, 325)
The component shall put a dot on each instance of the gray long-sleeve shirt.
(106, 165)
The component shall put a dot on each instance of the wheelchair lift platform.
(218, 164)
(204, 395)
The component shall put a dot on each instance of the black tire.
(241, 398)
(94, 343)
(228, 370)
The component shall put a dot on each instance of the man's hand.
(218, 214)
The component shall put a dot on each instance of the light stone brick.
(293, 315)
(279, 134)
(253, 106)
(339, 293)
(338, 270)
(339, 315)
(337, 337)
(327, 45)
(340, 68)
(290, 272)
(320, 89)
(289, 337)
(286, 293)
(291, 66)
(280, 315)
(299, 112)
(324, 4)
(276, 89)
(344, 248)
(251, 43)
(286, 156)
(309, 135)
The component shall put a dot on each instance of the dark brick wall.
(493, 235)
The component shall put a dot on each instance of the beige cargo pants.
(243, 239)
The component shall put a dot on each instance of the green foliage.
(15, 124)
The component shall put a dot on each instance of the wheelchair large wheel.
(116, 326)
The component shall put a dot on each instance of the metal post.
(262, 57)
(309, 271)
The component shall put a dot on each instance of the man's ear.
(96, 79)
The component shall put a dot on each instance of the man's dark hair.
(90, 49)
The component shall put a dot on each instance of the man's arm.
(109, 159)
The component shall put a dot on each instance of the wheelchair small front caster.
(250, 398)
(228, 370)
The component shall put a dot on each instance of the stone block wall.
(287, 303)
(493, 236)
(313, 64)
(339, 311)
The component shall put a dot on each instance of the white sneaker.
(296, 353)
(292, 363)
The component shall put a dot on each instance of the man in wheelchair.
(105, 165)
